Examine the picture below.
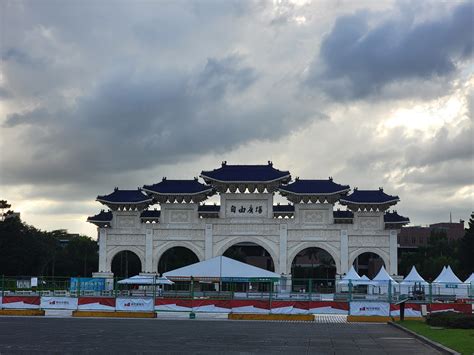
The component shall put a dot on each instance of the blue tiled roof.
(283, 208)
(102, 216)
(369, 197)
(209, 208)
(125, 196)
(246, 173)
(150, 214)
(172, 187)
(394, 217)
(300, 186)
(343, 214)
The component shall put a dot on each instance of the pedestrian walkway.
(66, 335)
(330, 318)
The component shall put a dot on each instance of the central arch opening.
(313, 270)
(252, 254)
(176, 257)
(126, 264)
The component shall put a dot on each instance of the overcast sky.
(98, 94)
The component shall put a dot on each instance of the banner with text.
(370, 309)
(59, 303)
(134, 304)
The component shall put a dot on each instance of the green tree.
(429, 260)
(466, 250)
(25, 250)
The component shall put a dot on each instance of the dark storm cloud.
(35, 117)
(221, 75)
(445, 160)
(443, 147)
(359, 60)
(21, 57)
(4, 93)
(441, 175)
(135, 121)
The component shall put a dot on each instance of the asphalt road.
(72, 335)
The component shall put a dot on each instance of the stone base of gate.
(21, 312)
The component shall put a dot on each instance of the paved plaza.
(69, 335)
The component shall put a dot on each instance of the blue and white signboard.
(87, 284)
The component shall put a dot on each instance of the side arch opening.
(125, 264)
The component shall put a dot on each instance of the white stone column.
(208, 242)
(393, 253)
(282, 269)
(282, 263)
(344, 252)
(149, 250)
(103, 265)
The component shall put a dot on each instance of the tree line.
(440, 251)
(26, 250)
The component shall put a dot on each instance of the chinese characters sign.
(246, 209)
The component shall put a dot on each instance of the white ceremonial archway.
(112, 252)
(321, 245)
(353, 255)
(163, 248)
(257, 241)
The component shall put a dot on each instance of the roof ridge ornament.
(224, 162)
(270, 163)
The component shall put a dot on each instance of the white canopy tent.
(447, 276)
(223, 269)
(383, 280)
(145, 280)
(470, 279)
(440, 274)
(447, 283)
(412, 280)
(353, 277)
(470, 285)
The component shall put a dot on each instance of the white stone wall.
(312, 226)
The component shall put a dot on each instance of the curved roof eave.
(315, 193)
(245, 182)
(125, 203)
(369, 203)
(177, 193)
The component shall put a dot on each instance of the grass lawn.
(461, 340)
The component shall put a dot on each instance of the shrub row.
(451, 320)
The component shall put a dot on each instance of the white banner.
(19, 305)
(409, 312)
(370, 309)
(59, 303)
(134, 304)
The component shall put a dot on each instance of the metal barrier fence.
(294, 289)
